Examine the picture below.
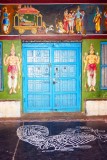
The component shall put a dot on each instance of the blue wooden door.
(51, 77)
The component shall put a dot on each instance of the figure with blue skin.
(6, 22)
(79, 16)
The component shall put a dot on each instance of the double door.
(51, 77)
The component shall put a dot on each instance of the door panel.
(65, 77)
(51, 77)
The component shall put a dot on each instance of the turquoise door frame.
(51, 77)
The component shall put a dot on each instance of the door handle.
(54, 81)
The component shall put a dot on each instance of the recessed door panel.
(51, 77)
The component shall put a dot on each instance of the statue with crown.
(97, 20)
(91, 59)
(13, 69)
(5, 21)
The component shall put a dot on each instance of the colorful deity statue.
(97, 20)
(78, 18)
(5, 21)
(60, 27)
(71, 22)
(91, 60)
(105, 15)
(13, 69)
(65, 21)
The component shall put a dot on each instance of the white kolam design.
(67, 140)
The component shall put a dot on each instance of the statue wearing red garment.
(91, 60)
(13, 69)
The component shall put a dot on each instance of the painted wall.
(52, 19)
(99, 93)
(4, 95)
(86, 94)
(52, 23)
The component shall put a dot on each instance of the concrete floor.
(55, 116)
(66, 140)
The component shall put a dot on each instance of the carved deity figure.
(71, 21)
(79, 18)
(91, 60)
(97, 21)
(65, 21)
(13, 69)
(5, 21)
(105, 15)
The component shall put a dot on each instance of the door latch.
(54, 81)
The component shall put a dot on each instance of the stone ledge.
(96, 107)
(10, 109)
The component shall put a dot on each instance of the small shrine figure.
(97, 20)
(13, 69)
(105, 15)
(5, 21)
(91, 60)
(65, 21)
(79, 17)
(71, 21)
(60, 27)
